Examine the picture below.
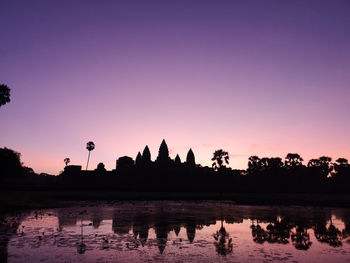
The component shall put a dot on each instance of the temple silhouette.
(142, 161)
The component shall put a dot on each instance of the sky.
(258, 77)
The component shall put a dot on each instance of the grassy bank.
(19, 200)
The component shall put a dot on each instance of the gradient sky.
(252, 77)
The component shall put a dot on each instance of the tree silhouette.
(4, 94)
(220, 157)
(325, 165)
(253, 164)
(340, 166)
(313, 163)
(293, 160)
(10, 163)
(89, 146)
(66, 161)
(274, 163)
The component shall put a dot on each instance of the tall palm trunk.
(88, 161)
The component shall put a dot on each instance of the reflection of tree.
(8, 228)
(330, 235)
(81, 245)
(223, 242)
(346, 230)
(301, 238)
(258, 233)
(276, 232)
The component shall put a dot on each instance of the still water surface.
(168, 231)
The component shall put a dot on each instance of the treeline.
(263, 175)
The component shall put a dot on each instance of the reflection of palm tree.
(301, 238)
(89, 146)
(223, 242)
(81, 246)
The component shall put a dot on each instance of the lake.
(176, 231)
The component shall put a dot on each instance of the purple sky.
(252, 77)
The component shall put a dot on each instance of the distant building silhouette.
(177, 160)
(163, 154)
(124, 163)
(72, 170)
(146, 156)
(190, 160)
(138, 160)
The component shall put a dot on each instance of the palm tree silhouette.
(89, 146)
(66, 161)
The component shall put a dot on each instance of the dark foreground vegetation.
(266, 181)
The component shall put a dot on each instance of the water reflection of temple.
(272, 225)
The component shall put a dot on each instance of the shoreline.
(23, 200)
